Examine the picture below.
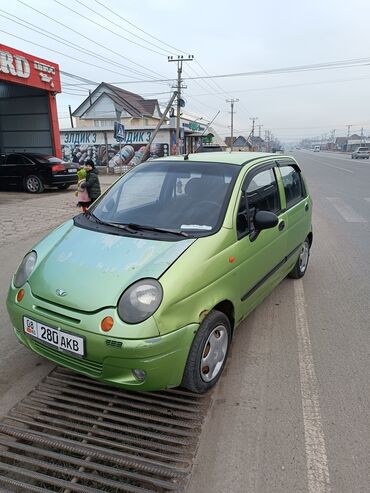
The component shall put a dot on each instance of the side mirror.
(265, 220)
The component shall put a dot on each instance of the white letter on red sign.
(22, 66)
(6, 63)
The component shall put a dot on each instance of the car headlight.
(24, 270)
(140, 301)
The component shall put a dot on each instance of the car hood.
(91, 269)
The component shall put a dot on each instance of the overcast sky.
(224, 37)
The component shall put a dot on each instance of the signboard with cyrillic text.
(21, 68)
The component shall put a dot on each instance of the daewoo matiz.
(146, 289)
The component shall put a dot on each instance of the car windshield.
(187, 197)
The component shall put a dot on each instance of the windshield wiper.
(113, 225)
(138, 227)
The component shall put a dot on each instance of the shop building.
(28, 111)
(93, 134)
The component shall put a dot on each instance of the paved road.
(292, 414)
(24, 220)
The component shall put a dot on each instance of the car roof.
(238, 158)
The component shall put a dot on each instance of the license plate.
(60, 340)
(72, 170)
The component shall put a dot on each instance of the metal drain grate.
(72, 434)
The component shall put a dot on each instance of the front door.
(263, 252)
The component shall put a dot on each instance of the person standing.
(92, 183)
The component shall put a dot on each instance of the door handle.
(281, 226)
(306, 207)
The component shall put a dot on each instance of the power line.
(136, 27)
(63, 54)
(92, 40)
(119, 26)
(104, 27)
(302, 68)
(70, 44)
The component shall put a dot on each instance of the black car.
(34, 172)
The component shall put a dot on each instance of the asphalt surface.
(24, 220)
(291, 412)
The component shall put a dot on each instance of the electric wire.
(106, 28)
(301, 68)
(61, 53)
(136, 27)
(110, 50)
(120, 27)
(70, 44)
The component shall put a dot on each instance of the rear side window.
(15, 159)
(293, 185)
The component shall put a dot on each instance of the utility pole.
(180, 59)
(232, 101)
(362, 135)
(159, 124)
(333, 137)
(259, 135)
(254, 118)
(348, 130)
(70, 115)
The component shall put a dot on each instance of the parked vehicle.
(209, 148)
(316, 149)
(33, 172)
(146, 289)
(361, 153)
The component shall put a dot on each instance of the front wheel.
(208, 353)
(301, 265)
(33, 184)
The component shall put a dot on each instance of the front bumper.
(111, 359)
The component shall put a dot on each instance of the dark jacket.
(93, 184)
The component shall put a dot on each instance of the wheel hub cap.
(214, 353)
(303, 257)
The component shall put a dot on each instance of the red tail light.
(58, 167)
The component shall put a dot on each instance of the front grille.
(70, 361)
(114, 344)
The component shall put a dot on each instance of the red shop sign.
(28, 70)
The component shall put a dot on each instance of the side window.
(14, 159)
(262, 194)
(293, 186)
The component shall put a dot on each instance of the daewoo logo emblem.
(60, 292)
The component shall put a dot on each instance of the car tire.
(299, 270)
(208, 353)
(64, 186)
(33, 184)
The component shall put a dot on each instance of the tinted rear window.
(44, 158)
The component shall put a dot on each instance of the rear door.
(12, 169)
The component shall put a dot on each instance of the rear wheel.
(208, 353)
(33, 184)
(64, 186)
(301, 265)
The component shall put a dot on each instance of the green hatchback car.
(145, 290)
